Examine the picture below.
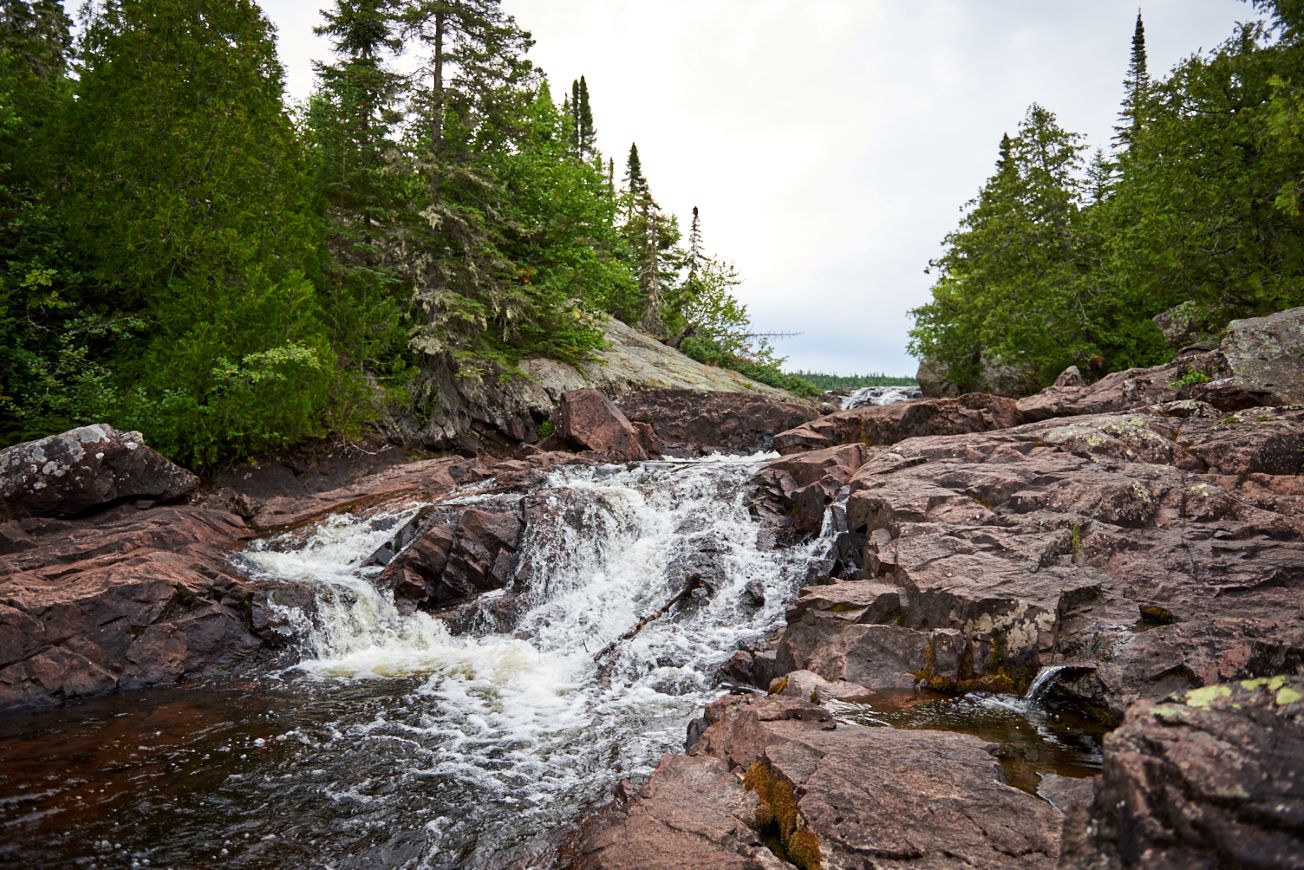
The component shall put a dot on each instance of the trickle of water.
(1041, 684)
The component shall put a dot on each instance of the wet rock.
(588, 419)
(145, 599)
(691, 813)
(1212, 777)
(887, 424)
(86, 469)
(459, 554)
(697, 422)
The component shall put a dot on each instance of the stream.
(392, 742)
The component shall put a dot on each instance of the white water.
(879, 396)
(524, 720)
(1041, 684)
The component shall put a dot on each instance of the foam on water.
(530, 718)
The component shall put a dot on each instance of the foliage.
(1057, 263)
(844, 382)
(180, 254)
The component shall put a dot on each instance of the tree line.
(1063, 259)
(181, 253)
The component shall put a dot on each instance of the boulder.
(457, 555)
(1189, 323)
(995, 375)
(591, 421)
(1264, 356)
(86, 469)
(697, 422)
(146, 598)
(692, 812)
(1212, 777)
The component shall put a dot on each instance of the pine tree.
(352, 120)
(466, 106)
(695, 255)
(587, 136)
(634, 180)
(1136, 90)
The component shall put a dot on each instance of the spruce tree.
(587, 136)
(352, 119)
(465, 107)
(1136, 90)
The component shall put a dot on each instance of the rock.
(1099, 540)
(147, 598)
(426, 479)
(995, 376)
(847, 795)
(796, 490)
(1070, 377)
(459, 554)
(1264, 354)
(691, 813)
(1212, 777)
(932, 380)
(502, 411)
(1189, 323)
(887, 424)
(697, 422)
(590, 420)
(86, 469)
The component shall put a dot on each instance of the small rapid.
(866, 396)
(530, 725)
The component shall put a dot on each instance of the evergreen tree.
(192, 203)
(586, 135)
(352, 119)
(465, 106)
(1136, 90)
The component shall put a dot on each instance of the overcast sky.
(830, 143)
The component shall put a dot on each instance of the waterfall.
(526, 724)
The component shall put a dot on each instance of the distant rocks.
(696, 422)
(86, 469)
(878, 425)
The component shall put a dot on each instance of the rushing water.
(395, 742)
(879, 396)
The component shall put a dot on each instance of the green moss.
(778, 808)
(1191, 377)
(1204, 696)
(545, 429)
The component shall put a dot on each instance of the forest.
(1194, 209)
(182, 254)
